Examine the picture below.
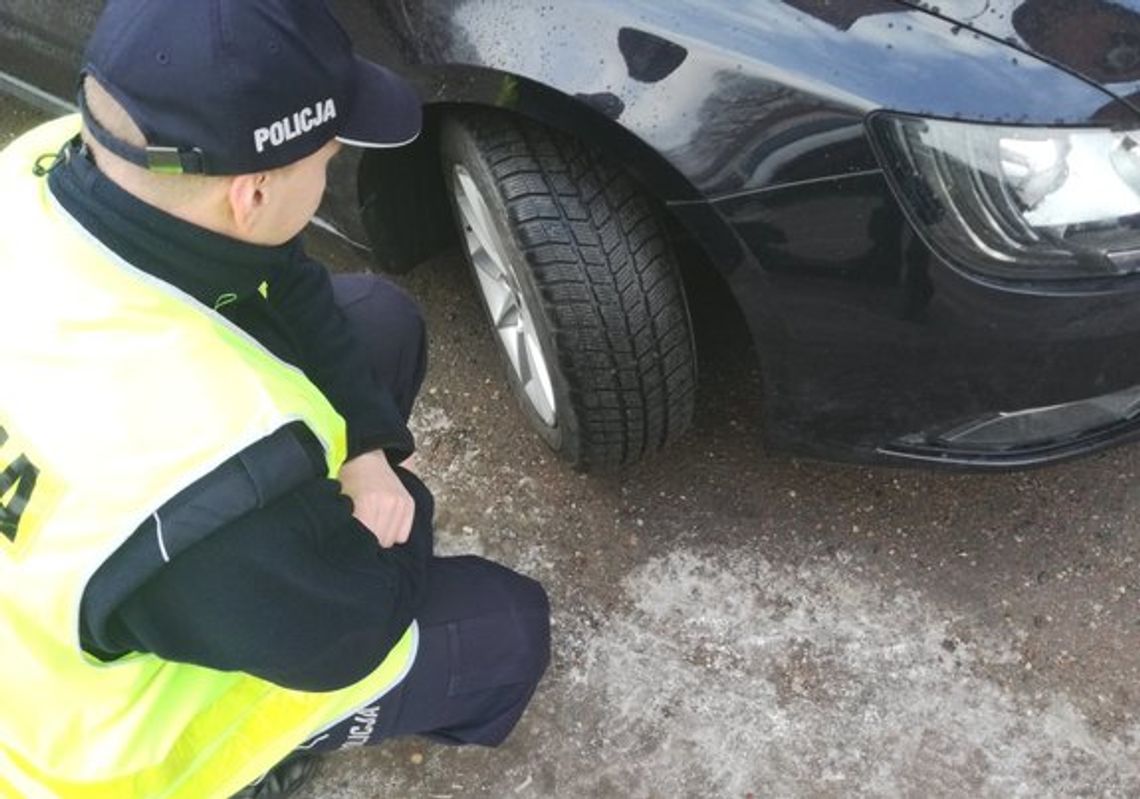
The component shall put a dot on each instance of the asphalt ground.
(730, 622)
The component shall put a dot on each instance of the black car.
(928, 213)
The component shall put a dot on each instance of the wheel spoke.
(508, 315)
(504, 308)
(488, 268)
(495, 288)
(515, 346)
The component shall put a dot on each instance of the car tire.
(580, 285)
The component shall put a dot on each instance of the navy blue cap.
(229, 87)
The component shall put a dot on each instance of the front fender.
(728, 97)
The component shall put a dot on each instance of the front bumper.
(874, 349)
(1030, 436)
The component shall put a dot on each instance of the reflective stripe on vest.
(116, 392)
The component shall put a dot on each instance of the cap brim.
(386, 111)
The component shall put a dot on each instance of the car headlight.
(1018, 202)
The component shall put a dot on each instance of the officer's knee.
(376, 306)
(400, 311)
(532, 609)
(403, 323)
(493, 602)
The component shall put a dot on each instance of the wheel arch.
(408, 184)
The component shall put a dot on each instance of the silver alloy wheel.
(500, 288)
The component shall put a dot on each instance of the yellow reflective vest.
(116, 392)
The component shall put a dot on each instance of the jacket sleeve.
(302, 297)
(296, 592)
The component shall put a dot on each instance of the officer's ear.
(247, 201)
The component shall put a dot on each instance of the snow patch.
(823, 683)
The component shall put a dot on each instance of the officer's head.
(226, 112)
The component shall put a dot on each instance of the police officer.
(212, 562)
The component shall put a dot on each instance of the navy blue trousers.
(484, 629)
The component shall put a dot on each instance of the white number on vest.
(17, 482)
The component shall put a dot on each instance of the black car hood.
(1096, 39)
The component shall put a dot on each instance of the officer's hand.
(379, 500)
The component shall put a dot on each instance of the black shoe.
(283, 779)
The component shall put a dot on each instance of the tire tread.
(611, 291)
